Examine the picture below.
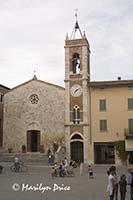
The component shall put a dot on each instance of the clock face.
(76, 90)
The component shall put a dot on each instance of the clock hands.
(76, 90)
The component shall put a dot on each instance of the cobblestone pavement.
(79, 187)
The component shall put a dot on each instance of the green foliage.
(120, 149)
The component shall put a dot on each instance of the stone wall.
(3, 90)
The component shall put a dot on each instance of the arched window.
(76, 114)
(76, 63)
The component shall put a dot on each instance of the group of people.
(115, 185)
(65, 168)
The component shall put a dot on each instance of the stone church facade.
(33, 116)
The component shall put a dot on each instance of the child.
(56, 167)
(90, 171)
(53, 172)
(123, 184)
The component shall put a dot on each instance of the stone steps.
(2, 150)
(37, 158)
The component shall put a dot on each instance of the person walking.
(123, 185)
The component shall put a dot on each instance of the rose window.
(34, 99)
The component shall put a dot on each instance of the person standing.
(113, 168)
(81, 169)
(50, 158)
(90, 171)
(130, 182)
(61, 170)
(123, 185)
(66, 162)
(111, 184)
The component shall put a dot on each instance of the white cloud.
(32, 34)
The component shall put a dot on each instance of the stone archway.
(77, 148)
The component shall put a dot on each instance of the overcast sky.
(32, 37)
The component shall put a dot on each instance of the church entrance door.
(33, 140)
(77, 151)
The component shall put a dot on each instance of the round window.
(34, 99)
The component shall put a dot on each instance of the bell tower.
(77, 75)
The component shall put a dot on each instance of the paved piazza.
(78, 187)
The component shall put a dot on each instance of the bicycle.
(22, 168)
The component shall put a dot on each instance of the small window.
(103, 125)
(76, 63)
(1, 97)
(102, 104)
(76, 114)
(130, 126)
(130, 103)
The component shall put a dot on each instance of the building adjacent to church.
(89, 115)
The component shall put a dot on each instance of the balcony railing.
(128, 134)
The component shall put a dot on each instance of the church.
(87, 116)
(33, 116)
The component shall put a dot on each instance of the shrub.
(120, 149)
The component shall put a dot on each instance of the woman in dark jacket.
(123, 185)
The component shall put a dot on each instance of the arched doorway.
(33, 140)
(77, 148)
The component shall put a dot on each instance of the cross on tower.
(76, 27)
(34, 77)
(76, 13)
